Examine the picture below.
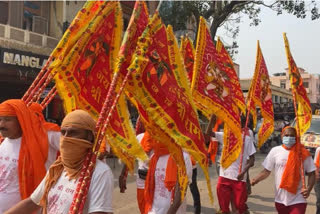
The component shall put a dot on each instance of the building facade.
(311, 82)
(281, 98)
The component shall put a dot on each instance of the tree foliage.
(228, 14)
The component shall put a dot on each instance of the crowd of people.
(40, 166)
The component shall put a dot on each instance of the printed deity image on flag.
(213, 93)
(83, 76)
(260, 95)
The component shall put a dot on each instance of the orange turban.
(79, 119)
(34, 146)
(6, 110)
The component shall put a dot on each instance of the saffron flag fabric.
(229, 68)
(137, 24)
(187, 52)
(213, 93)
(160, 85)
(304, 111)
(84, 74)
(260, 95)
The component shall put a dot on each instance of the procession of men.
(97, 70)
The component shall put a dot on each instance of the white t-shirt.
(233, 170)
(141, 165)
(61, 194)
(277, 160)
(162, 197)
(9, 156)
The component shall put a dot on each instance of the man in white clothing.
(232, 185)
(290, 197)
(26, 153)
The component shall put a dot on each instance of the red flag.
(159, 84)
(213, 92)
(260, 95)
(84, 75)
(304, 111)
(187, 52)
(228, 67)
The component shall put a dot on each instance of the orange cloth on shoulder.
(317, 160)
(146, 143)
(292, 174)
(171, 171)
(37, 109)
(34, 146)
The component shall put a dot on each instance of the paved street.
(261, 201)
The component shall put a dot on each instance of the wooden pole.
(243, 139)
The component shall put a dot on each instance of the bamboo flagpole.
(52, 93)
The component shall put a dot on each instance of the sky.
(303, 36)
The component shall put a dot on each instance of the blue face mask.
(288, 141)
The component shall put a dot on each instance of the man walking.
(26, 153)
(290, 197)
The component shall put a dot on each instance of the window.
(30, 10)
(4, 9)
(306, 84)
(29, 15)
(275, 98)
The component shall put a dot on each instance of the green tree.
(228, 14)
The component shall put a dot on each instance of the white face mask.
(288, 141)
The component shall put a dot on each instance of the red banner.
(187, 52)
(84, 74)
(212, 90)
(228, 67)
(260, 95)
(304, 111)
(159, 84)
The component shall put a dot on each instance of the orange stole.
(171, 173)
(291, 175)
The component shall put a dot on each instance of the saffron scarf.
(171, 172)
(292, 174)
(37, 109)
